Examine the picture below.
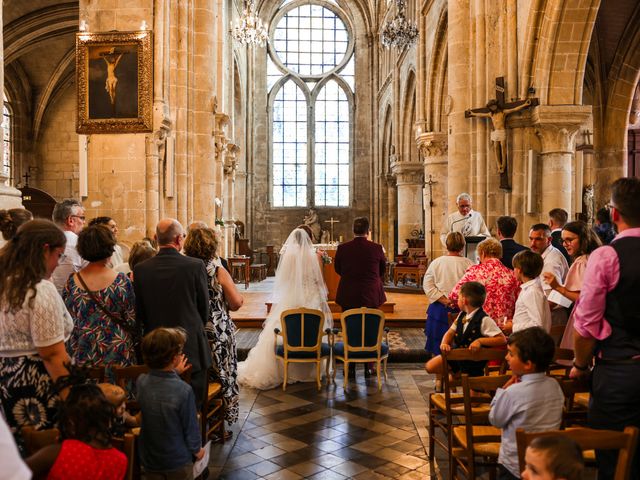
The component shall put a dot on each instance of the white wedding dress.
(298, 283)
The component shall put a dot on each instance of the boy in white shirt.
(532, 308)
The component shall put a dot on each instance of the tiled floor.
(332, 434)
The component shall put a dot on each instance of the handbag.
(117, 319)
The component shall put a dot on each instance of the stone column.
(410, 178)
(9, 196)
(433, 147)
(390, 184)
(206, 178)
(459, 155)
(557, 127)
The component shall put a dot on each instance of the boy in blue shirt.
(530, 399)
(170, 435)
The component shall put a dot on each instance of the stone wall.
(57, 151)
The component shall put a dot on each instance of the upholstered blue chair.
(362, 341)
(302, 340)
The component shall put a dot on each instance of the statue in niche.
(589, 203)
(311, 221)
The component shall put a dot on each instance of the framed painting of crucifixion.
(114, 73)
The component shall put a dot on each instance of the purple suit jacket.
(360, 264)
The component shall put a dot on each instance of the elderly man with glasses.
(466, 221)
(69, 216)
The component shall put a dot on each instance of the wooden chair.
(574, 413)
(34, 439)
(211, 415)
(127, 445)
(556, 332)
(362, 341)
(561, 364)
(96, 373)
(590, 439)
(302, 341)
(476, 443)
(444, 408)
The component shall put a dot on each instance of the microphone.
(459, 220)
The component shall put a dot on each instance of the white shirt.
(71, 263)
(442, 275)
(469, 227)
(487, 329)
(13, 467)
(532, 307)
(555, 263)
(45, 323)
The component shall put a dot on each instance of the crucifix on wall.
(497, 110)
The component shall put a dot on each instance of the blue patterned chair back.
(362, 329)
(302, 329)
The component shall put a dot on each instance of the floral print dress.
(221, 334)
(97, 339)
(502, 288)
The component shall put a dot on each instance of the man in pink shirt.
(607, 325)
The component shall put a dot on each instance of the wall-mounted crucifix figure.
(498, 110)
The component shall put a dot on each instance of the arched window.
(7, 157)
(310, 77)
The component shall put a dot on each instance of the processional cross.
(497, 110)
(332, 221)
(26, 177)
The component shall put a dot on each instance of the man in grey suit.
(171, 291)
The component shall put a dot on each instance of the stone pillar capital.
(408, 173)
(432, 144)
(221, 120)
(557, 126)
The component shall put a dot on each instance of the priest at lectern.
(466, 221)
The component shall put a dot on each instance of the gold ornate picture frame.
(114, 78)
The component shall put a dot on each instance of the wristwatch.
(578, 367)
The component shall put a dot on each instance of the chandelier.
(399, 33)
(249, 29)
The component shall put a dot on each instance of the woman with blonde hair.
(441, 276)
(500, 282)
(202, 243)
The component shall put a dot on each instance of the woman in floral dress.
(501, 283)
(33, 326)
(221, 332)
(102, 304)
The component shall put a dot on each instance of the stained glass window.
(311, 118)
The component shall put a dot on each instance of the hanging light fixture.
(399, 33)
(249, 29)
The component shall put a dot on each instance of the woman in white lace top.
(34, 324)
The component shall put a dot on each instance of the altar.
(331, 278)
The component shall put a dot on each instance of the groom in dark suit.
(171, 291)
(360, 264)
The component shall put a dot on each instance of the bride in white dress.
(299, 283)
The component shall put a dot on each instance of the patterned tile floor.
(332, 434)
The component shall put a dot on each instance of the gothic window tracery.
(310, 79)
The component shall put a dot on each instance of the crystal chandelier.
(399, 32)
(249, 29)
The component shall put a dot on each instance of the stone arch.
(624, 75)
(558, 35)
(437, 76)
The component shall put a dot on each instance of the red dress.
(79, 461)
(501, 284)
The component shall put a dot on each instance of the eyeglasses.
(566, 241)
(81, 217)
